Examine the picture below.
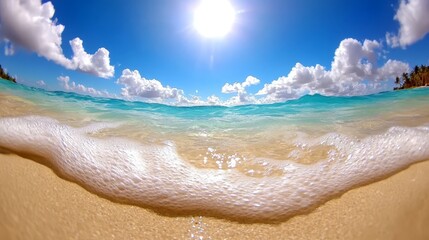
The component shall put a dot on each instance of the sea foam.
(155, 176)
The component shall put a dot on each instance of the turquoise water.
(303, 110)
(259, 162)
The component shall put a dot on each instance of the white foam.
(156, 176)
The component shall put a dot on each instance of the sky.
(273, 50)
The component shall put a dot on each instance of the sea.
(263, 162)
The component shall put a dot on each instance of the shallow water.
(255, 162)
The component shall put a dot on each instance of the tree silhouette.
(6, 76)
(417, 78)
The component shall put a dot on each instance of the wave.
(304, 103)
(302, 109)
(156, 176)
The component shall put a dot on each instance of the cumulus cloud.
(72, 86)
(134, 85)
(97, 64)
(296, 83)
(412, 16)
(214, 100)
(391, 69)
(353, 71)
(240, 88)
(29, 24)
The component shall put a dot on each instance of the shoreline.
(36, 203)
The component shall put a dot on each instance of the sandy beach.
(214, 119)
(37, 204)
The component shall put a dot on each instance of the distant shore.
(37, 204)
(418, 77)
(4, 75)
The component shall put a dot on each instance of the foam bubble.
(156, 176)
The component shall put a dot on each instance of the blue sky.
(268, 38)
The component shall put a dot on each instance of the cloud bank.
(353, 71)
(72, 86)
(412, 16)
(29, 24)
(134, 85)
(242, 96)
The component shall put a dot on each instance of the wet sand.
(37, 204)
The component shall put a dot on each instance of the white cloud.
(391, 69)
(97, 64)
(213, 100)
(197, 101)
(9, 48)
(297, 83)
(192, 101)
(412, 16)
(65, 83)
(41, 83)
(134, 85)
(29, 24)
(353, 71)
(240, 88)
(354, 61)
(137, 86)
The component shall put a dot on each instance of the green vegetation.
(417, 78)
(6, 76)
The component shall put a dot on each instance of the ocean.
(252, 162)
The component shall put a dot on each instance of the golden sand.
(37, 204)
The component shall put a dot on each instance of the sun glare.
(214, 18)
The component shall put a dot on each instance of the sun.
(214, 18)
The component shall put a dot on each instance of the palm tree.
(398, 82)
(406, 79)
(416, 69)
(6, 76)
